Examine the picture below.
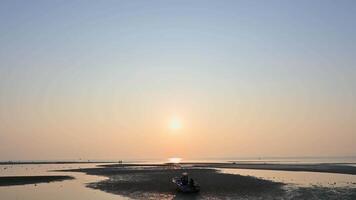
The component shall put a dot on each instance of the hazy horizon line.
(187, 159)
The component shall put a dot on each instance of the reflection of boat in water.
(185, 186)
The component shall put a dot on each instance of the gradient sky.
(103, 79)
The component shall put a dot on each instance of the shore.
(23, 180)
(324, 168)
(155, 183)
(340, 168)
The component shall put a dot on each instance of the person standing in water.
(184, 178)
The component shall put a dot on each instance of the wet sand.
(23, 180)
(325, 168)
(340, 168)
(155, 183)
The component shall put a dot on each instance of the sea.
(76, 188)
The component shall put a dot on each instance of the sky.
(106, 79)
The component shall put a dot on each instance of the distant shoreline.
(52, 162)
(340, 168)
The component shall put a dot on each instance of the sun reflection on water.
(175, 160)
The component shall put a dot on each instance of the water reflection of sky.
(69, 189)
(75, 189)
(299, 178)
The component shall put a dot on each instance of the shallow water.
(298, 178)
(300, 182)
(69, 189)
(280, 160)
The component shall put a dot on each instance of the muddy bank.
(155, 182)
(325, 168)
(321, 193)
(23, 180)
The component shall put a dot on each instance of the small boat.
(184, 186)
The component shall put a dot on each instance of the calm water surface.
(68, 189)
(299, 178)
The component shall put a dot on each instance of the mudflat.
(325, 168)
(23, 180)
(155, 182)
(339, 168)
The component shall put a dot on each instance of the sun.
(175, 124)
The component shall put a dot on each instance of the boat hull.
(185, 188)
